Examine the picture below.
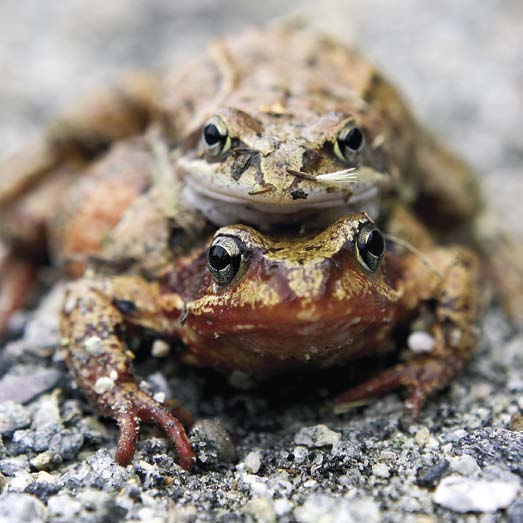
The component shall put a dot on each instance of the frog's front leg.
(441, 290)
(94, 315)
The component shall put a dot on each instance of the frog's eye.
(370, 247)
(224, 258)
(349, 143)
(215, 137)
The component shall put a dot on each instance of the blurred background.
(460, 64)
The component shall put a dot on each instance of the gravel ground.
(278, 453)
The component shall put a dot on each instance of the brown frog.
(266, 304)
(274, 126)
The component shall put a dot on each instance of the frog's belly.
(226, 210)
(263, 352)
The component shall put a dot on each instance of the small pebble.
(429, 477)
(261, 509)
(381, 470)
(253, 461)
(45, 461)
(25, 508)
(515, 511)
(421, 342)
(10, 466)
(422, 437)
(103, 384)
(326, 509)
(94, 346)
(212, 441)
(300, 454)
(160, 349)
(516, 422)
(466, 495)
(317, 436)
(159, 397)
(12, 417)
(465, 465)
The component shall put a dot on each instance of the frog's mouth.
(226, 205)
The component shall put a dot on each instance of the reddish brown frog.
(264, 305)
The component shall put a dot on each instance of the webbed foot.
(133, 405)
(421, 377)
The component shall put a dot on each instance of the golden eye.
(349, 143)
(215, 137)
(224, 258)
(370, 247)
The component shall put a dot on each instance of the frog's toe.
(129, 430)
(143, 407)
(421, 377)
(150, 410)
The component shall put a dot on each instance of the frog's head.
(280, 122)
(277, 163)
(293, 299)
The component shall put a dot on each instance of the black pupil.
(219, 258)
(375, 244)
(354, 139)
(212, 135)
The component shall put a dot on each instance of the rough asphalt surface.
(277, 453)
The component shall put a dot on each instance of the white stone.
(103, 384)
(282, 506)
(262, 509)
(465, 465)
(321, 508)
(159, 397)
(466, 495)
(253, 461)
(94, 346)
(422, 437)
(381, 470)
(160, 349)
(317, 436)
(300, 454)
(421, 342)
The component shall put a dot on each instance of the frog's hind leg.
(502, 257)
(442, 289)
(17, 279)
(450, 202)
(448, 194)
(95, 315)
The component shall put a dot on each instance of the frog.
(262, 304)
(276, 127)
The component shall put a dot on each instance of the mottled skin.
(283, 94)
(291, 303)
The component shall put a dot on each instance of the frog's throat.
(225, 209)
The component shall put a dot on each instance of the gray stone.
(12, 417)
(213, 442)
(10, 466)
(515, 512)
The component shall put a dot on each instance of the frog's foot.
(421, 376)
(94, 317)
(17, 279)
(130, 405)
